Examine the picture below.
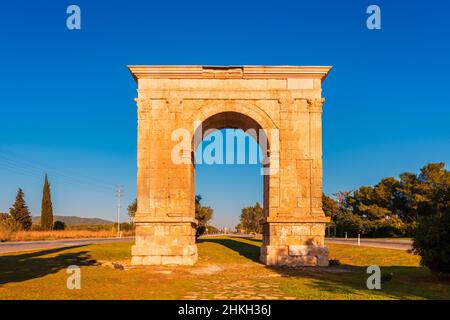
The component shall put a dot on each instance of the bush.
(59, 225)
(87, 227)
(10, 224)
(432, 242)
(392, 227)
(36, 227)
(200, 230)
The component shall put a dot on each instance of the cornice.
(228, 72)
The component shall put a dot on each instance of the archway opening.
(230, 150)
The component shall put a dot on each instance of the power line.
(32, 170)
(19, 160)
(37, 170)
(39, 175)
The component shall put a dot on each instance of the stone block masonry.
(287, 99)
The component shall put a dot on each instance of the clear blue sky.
(66, 97)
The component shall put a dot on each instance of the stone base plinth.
(294, 244)
(164, 243)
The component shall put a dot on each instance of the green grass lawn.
(228, 268)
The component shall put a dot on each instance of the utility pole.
(119, 193)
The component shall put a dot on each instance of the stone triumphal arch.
(286, 100)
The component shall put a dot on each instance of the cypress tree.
(46, 207)
(19, 211)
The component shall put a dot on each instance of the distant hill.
(75, 221)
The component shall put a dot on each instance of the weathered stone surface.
(283, 98)
(298, 250)
(151, 260)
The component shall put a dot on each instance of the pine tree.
(19, 211)
(46, 207)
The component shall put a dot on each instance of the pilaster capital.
(315, 105)
(143, 105)
(286, 101)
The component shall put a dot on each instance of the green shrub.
(10, 224)
(432, 242)
(199, 231)
(59, 225)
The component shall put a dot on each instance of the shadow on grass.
(258, 241)
(250, 251)
(22, 267)
(345, 280)
(408, 282)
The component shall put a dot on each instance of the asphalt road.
(7, 247)
(378, 243)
